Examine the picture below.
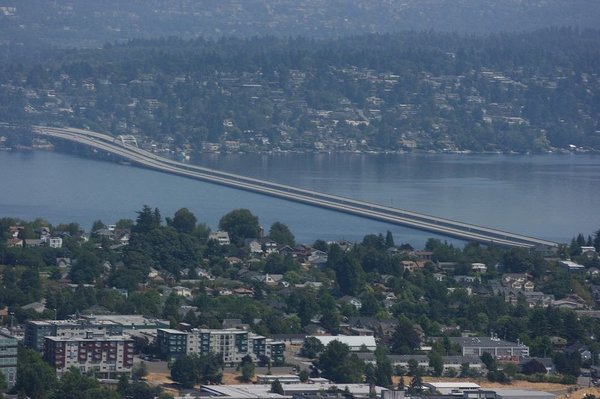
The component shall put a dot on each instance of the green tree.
(86, 269)
(74, 385)
(416, 384)
(339, 365)
(184, 371)
(304, 375)
(311, 347)
(277, 388)
(183, 221)
(405, 339)
(389, 239)
(240, 224)
(147, 220)
(349, 275)
(281, 234)
(98, 225)
(383, 368)
(489, 361)
(436, 363)
(248, 371)
(3, 382)
(34, 376)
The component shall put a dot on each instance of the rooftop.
(350, 340)
(484, 342)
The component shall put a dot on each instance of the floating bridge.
(124, 148)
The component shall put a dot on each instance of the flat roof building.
(263, 391)
(8, 358)
(451, 388)
(354, 342)
(232, 344)
(130, 322)
(496, 347)
(105, 357)
(36, 330)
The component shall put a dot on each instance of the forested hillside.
(412, 91)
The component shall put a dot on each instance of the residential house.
(243, 292)
(34, 242)
(182, 291)
(317, 258)
(271, 279)
(63, 263)
(533, 298)
(590, 252)
(545, 361)
(14, 243)
(55, 242)
(478, 267)
(584, 351)
(361, 331)
(15, 230)
(529, 286)
(271, 247)
(572, 301)
(255, 248)
(509, 279)
(222, 237)
(423, 255)
(390, 300)
(357, 303)
(409, 265)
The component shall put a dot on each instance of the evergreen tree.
(277, 388)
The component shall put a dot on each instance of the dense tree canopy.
(240, 224)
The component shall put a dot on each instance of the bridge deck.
(416, 220)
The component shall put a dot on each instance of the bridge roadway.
(465, 231)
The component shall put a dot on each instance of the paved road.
(397, 216)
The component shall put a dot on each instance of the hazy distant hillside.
(92, 22)
(532, 91)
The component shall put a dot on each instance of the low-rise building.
(496, 347)
(571, 267)
(355, 342)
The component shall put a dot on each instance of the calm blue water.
(547, 196)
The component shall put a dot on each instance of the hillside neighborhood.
(244, 299)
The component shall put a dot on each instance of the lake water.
(546, 196)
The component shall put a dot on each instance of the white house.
(479, 267)
(222, 237)
(182, 291)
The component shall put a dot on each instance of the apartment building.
(8, 358)
(102, 356)
(232, 344)
(36, 330)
